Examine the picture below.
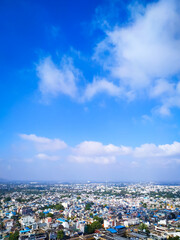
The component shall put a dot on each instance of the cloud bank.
(98, 153)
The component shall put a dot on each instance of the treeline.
(58, 206)
(165, 194)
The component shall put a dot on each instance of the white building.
(27, 221)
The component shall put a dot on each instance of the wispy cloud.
(54, 31)
(44, 144)
(44, 156)
(94, 159)
(55, 80)
(101, 86)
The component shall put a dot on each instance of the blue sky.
(90, 90)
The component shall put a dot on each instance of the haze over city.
(90, 90)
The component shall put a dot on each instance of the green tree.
(143, 227)
(88, 206)
(89, 229)
(60, 234)
(7, 199)
(1, 226)
(50, 215)
(93, 226)
(100, 220)
(41, 215)
(174, 238)
(14, 236)
(20, 200)
(96, 225)
(59, 206)
(145, 205)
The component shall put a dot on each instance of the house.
(63, 222)
(27, 221)
(8, 223)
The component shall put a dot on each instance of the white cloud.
(151, 150)
(96, 152)
(44, 156)
(146, 118)
(101, 86)
(162, 88)
(55, 80)
(171, 149)
(146, 51)
(171, 101)
(146, 150)
(169, 94)
(45, 144)
(104, 86)
(140, 59)
(97, 148)
(94, 159)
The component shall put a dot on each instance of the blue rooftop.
(120, 227)
(82, 222)
(61, 220)
(111, 230)
(46, 212)
(24, 231)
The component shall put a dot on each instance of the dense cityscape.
(108, 211)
